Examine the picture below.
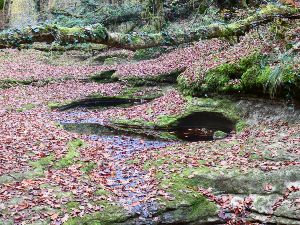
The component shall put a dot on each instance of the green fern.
(283, 74)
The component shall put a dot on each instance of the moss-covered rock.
(186, 203)
(225, 78)
(222, 106)
(249, 75)
(110, 214)
(251, 182)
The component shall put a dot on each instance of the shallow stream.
(122, 143)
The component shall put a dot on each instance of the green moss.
(218, 79)
(249, 61)
(219, 134)
(70, 30)
(241, 125)
(223, 106)
(186, 178)
(132, 123)
(227, 69)
(166, 120)
(149, 53)
(269, 9)
(71, 155)
(133, 93)
(155, 163)
(100, 31)
(26, 107)
(43, 163)
(263, 76)
(59, 194)
(101, 192)
(189, 88)
(201, 207)
(167, 136)
(261, 79)
(256, 78)
(130, 92)
(231, 29)
(88, 167)
(255, 157)
(249, 78)
(70, 206)
(184, 191)
(110, 214)
(289, 75)
(56, 105)
(104, 77)
(112, 61)
(250, 75)
(275, 8)
(7, 83)
(282, 80)
(215, 81)
(136, 39)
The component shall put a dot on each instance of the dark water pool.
(104, 102)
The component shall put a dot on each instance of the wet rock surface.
(252, 194)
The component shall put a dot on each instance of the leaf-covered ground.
(30, 65)
(50, 175)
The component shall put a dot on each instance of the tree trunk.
(22, 13)
(98, 34)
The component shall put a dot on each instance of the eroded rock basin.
(157, 182)
(198, 126)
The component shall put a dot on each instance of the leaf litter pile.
(49, 174)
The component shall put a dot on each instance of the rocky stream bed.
(76, 151)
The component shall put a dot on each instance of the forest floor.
(51, 175)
